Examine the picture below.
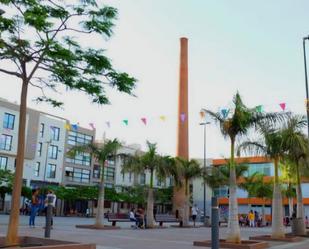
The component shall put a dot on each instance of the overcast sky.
(254, 47)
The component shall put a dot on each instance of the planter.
(105, 227)
(298, 226)
(41, 243)
(287, 238)
(244, 244)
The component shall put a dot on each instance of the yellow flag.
(163, 118)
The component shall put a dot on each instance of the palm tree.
(184, 171)
(271, 146)
(249, 185)
(101, 152)
(155, 165)
(235, 125)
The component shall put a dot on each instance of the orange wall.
(256, 201)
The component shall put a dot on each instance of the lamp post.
(306, 79)
(204, 166)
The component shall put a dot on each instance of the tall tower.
(183, 117)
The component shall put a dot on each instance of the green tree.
(152, 163)
(233, 125)
(40, 45)
(101, 152)
(184, 172)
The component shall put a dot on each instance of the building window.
(8, 121)
(42, 129)
(109, 174)
(143, 178)
(51, 171)
(37, 169)
(171, 182)
(3, 162)
(77, 175)
(96, 171)
(55, 133)
(76, 138)
(53, 151)
(130, 176)
(159, 182)
(39, 149)
(81, 158)
(69, 173)
(6, 142)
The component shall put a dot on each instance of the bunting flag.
(283, 106)
(202, 114)
(108, 124)
(74, 127)
(183, 117)
(259, 108)
(225, 112)
(125, 121)
(162, 118)
(144, 120)
(92, 126)
(67, 127)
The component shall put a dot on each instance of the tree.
(272, 147)
(184, 172)
(249, 185)
(233, 125)
(101, 152)
(154, 164)
(39, 45)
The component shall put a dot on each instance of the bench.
(223, 221)
(167, 218)
(117, 218)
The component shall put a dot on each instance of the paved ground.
(127, 238)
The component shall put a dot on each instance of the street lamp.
(204, 166)
(306, 79)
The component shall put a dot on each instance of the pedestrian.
(50, 194)
(35, 203)
(251, 218)
(307, 222)
(194, 212)
(132, 217)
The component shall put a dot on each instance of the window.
(159, 182)
(221, 191)
(3, 162)
(77, 175)
(76, 138)
(51, 171)
(6, 142)
(130, 176)
(262, 168)
(55, 133)
(81, 158)
(42, 129)
(143, 178)
(109, 174)
(37, 169)
(96, 171)
(39, 149)
(53, 151)
(8, 121)
(171, 182)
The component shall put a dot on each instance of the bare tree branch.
(11, 73)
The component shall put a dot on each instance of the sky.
(254, 47)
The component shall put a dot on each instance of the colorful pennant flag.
(283, 106)
(108, 124)
(162, 118)
(225, 112)
(125, 121)
(259, 108)
(183, 117)
(144, 120)
(202, 114)
(67, 127)
(74, 127)
(92, 126)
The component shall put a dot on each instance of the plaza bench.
(223, 221)
(167, 218)
(117, 218)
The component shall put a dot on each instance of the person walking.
(251, 218)
(35, 203)
(194, 212)
(50, 194)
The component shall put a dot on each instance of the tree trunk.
(149, 213)
(99, 219)
(186, 208)
(290, 206)
(233, 223)
(300, 206)
(277, 210)
(12, 231)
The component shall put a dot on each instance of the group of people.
(36, 204)
(138, 216)
(253, 219)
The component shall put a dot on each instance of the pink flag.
(92, 126)
(182, 117)
(144, 120)
(283, 106)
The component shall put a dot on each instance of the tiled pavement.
(127, 238)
